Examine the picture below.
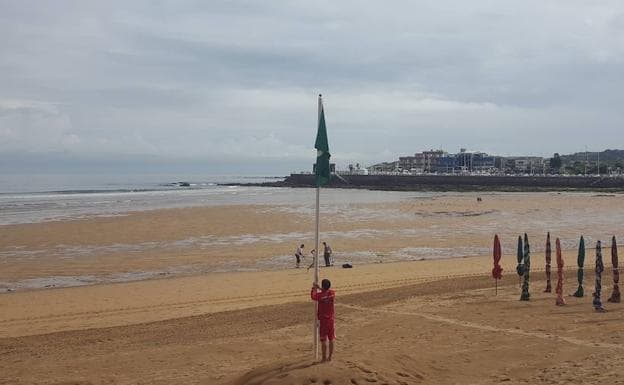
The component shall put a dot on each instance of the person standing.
(299, 255)
(325, 315)
(327, 254)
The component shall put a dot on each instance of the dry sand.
(444, 331)
(433, 321)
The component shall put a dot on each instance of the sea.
(57, 197)
(40, 198)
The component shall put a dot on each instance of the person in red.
(325, 315)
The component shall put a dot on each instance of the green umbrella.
(615, 295)
(527, 268)
(580, 260)
(520, 256)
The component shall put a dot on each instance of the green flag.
(322, 149)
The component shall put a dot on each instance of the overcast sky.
(231, 86)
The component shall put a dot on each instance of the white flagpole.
(316, 249)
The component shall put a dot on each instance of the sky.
(232, 86)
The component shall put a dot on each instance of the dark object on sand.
(347, 266)
(580, 261)
(599, 269)
(520, 257)
(615, 295)
(527, 269)
(497, 271)
(548, 261)
(560, 301)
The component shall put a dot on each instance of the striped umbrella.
(548, 260)
(599, 269)
(615, 295)
(580, 261)
(520, 257)
(559, 290)
(527, 268)
(497, 271)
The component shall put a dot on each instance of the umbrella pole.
(496, 292)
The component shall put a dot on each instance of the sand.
(433, 321)
(443, 331)
(263, 237)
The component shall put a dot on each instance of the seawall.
(462, 182)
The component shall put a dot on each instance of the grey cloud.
(238, 80)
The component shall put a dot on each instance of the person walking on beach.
(325, 315)
(299, 255)
(327, 253)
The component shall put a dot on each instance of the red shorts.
(326, 330)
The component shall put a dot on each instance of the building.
(409, 163)
(421, 161)
(467, 161)
(439, 161)
(384, 167)
(525, 164)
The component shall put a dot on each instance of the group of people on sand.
(327, 255)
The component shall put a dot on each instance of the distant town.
(608, 162)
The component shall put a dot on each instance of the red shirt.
(325, 300)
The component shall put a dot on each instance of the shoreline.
(67, 282)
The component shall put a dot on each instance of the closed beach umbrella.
(527, 268)
(497, 271)
(599, 269)
(548, 260)
(520, 257)
(615, 295)
(559, 290)
(580, 261)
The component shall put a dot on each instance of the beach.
(209, 294)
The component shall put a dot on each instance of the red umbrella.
(548, 259)
(497, 271)
(559, 290)
(615, 295)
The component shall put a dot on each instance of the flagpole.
(315, 334)
(316, 274)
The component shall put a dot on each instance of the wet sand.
(193, 241)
